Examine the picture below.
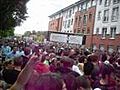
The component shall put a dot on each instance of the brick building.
(76, 18)
(106, 35)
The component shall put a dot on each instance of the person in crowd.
(11, 71)
(5, 49)
(66, 66)
(13, 53)
(83, 83)
(70, 81)
(106, 82)
(117, 72)
(43, 80)
(26, 56)
(76, 68)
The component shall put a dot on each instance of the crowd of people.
(56, 66)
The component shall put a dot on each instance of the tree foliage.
(6, 33)
(12, 13)
(27, 33)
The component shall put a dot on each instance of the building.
(106, 35)
(84, 20)
(76, 18)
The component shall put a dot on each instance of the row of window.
(110, 48)
(105, 30)
(114, 16)
(82, 6)
(83, 31)
(69, 13)
(67, 23)
(84, 19)
(86, 5)
(108, 2)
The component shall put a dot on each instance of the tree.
(27, 33)
(12, 13)
(7, 33)
(33, 32)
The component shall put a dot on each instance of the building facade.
(77, 18)
(84, 20)
(106, 35)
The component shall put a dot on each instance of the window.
(79, 7)
(112, 32)
(102, 47)
(93, 2)
(94, 47)
(106, 16)
(104, 32)
(74, 30)
(99, 15)
(115, 14)
(97, 31)
(100, 2)
(110, 49)
(78, 31)
(76, 19)
(107, 2)
(118, 49)
(83, 30)
(67, 14)
(68, 24)
(70, 13)
(88, 31)
(116, 1)
(88, 4)
(65, 24)
(73, 10)
(83, 6)
(90, 16)
(85, 19)
(72, 22)
(80, 18)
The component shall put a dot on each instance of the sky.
(38, 12)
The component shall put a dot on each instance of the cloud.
(38, 12)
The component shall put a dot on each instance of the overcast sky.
(38, 12)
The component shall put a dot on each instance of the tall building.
(107, 25)
(76, 18)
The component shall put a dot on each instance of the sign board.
(73, 39)
(58, 37)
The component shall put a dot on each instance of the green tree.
(6, 33)
(12, 13)
(27, 33)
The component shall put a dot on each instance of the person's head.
(52, 55)
(67, 62)
(88, 68)
(83, 83)
(50, 81)
(93, 58)
(104, 57)
(81, 59)
(17, 61)
(70, 81)
(27, 51)
(8, 64)
(44, 57)
(106, 71)
(15, 49)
